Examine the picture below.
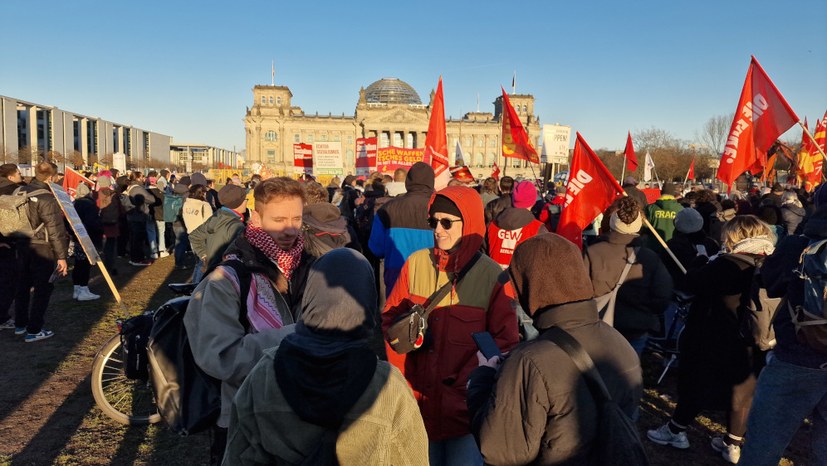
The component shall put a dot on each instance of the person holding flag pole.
(590, 191)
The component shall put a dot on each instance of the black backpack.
(617, 441)
(134, 335)
(188, 399)
(756, 309)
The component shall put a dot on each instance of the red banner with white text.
(303, 158)
(365, 156)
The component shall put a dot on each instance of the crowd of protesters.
(322, 275)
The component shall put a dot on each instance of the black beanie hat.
(444, 205)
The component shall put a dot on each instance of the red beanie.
(524, 195)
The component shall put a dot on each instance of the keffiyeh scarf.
(286, 260)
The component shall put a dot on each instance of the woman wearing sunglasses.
(438, 370)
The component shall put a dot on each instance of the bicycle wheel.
(129, 402)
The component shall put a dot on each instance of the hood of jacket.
(469, 204)
(794, 210)
(529, 271)
(513, 218)
(420, 178)
(325, 217)
(325, 366)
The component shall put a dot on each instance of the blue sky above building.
(187, 69)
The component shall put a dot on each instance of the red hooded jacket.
(438, 371)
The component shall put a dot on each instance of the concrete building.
(202, 156)
(29, 131)
(388, 109)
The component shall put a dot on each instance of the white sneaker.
(9, 324)
(731, 453)
(85, 295)
(163, 254)
(75, 293)
(664, 436)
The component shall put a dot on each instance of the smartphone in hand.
(485, 343)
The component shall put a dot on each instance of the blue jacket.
(400, 227)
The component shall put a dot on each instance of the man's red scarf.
(286, 260)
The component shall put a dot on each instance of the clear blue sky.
(186, 69)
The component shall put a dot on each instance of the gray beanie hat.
(689, 221)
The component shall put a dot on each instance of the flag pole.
(660, 239)
(813, 139)
(623, 172)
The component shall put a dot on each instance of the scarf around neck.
(286, 260)
(760, 245)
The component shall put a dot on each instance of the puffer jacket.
(645, 293)
(44, 210)
(538, 409)
(438, 371)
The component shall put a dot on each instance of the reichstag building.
(388, 109)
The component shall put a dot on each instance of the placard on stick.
(68, 208)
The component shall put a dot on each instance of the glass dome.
(391, 91)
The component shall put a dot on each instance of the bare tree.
(713, 134)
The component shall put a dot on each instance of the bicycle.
(124, 400)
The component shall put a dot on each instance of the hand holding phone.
(486, 344)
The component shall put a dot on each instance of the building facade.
(389, 110)
(199, 157)
(29, 131)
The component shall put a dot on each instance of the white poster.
(556, 144)
(119, 161)
(327, 158)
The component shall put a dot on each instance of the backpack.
(363, 219)
(173, 203)
(134, 335)
(756, 309)
(14, 214)
(617, 440)
(810, 319)
(188, 399)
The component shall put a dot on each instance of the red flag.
(761, 117)
(496, 173)
(629, 153)
(436, 141)
(72, 179)
(821, 133)
(808, 167)
(462, 173)
(590, 190)
(690, 175)
(515, 139)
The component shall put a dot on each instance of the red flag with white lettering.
(436, 141)
(629, 153)
(71, 180)
(761, 117)
(590, 190)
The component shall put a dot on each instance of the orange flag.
(761, 117)
(809, 160)
(515, 139)
(769, 170)
(629, 153)
(590, 190)
(821, 133)
(436, 141)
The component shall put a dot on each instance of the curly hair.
(705, 195)
(315, 193)
(627, 209)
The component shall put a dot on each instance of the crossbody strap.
(436, 298)
(581, 359)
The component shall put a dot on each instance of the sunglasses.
(446, 223)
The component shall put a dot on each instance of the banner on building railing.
(365, 156)
(303, 158)
(389, 159)
(327, 158)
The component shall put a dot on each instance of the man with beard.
(271, 251)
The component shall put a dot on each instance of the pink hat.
(524, 195)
